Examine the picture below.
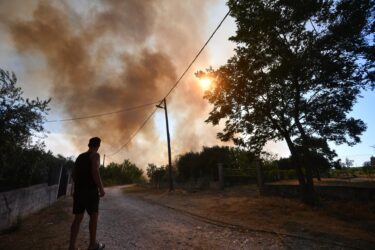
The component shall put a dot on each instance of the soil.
(342, 223)
(47, 229)
(364, 182)
(135, 217)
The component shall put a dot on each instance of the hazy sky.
(94, 57)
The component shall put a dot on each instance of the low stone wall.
(21, 202)
(329, 192)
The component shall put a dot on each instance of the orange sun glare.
(205, 83)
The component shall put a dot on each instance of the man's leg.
(92, 226)
(74, 229)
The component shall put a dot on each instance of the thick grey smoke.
(121, 54)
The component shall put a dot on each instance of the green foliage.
(271, 172)
(157, 175)
(151, 169)
(22, 162)
(19, 117)
(316, 160)
(296, 63)
(31, 166)
(368, 171)
(192, 166)
(298, 70)
(119, 174)
(344, 172)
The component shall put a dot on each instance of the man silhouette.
(87, 189)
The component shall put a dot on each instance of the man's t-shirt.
(83, 180)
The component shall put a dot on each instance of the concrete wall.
(329, 192)
(24, 201)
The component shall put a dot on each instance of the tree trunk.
(297, 163)
(305, 180)
(317, 173)
(310, 196)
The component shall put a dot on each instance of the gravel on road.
(128, 222)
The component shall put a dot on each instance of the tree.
(348, 163)
(132, 171)
(366, 164)
(19, 118)
(189, 166)
(156, 174)
(192, 166)
(297, 71)
(337, 164)
(119, 174)
(21, 161)
(151, 170)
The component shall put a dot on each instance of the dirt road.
(128, 222)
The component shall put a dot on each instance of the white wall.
(24, 201)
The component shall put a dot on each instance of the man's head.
(94, 143)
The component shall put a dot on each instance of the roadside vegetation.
(297, 71)
(120, 174)
(239, 167)
(24, 161)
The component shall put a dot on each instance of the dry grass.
(335, 220)
(46, 230)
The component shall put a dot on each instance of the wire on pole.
(104, 114)
(175, 85)
(134, 134)
(195, 58)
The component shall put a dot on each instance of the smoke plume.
(117, 54)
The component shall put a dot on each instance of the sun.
(205, 83)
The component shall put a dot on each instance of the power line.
(148, 104)
(195, 58)
(175, 85)
(104, 114)
(134, 134)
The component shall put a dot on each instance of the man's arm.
(95, 159)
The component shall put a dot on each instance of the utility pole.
(103, 161)
(169, 145)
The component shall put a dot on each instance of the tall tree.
(19, 117)
(20, 159)
(298, 69)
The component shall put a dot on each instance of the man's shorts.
(88, 201)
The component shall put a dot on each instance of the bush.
(157, 175)
(120, 174)
(204, 164)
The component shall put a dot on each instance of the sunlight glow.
(205, 83)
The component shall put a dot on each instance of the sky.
(94, 57)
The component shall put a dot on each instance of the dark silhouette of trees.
(298, 69)
(119, 174)
(22, 162)
(157, 175)
(19, 117)
(194, 165)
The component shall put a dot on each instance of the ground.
(47, 229)
(366, 182)
(141, 218)
(336, 223)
